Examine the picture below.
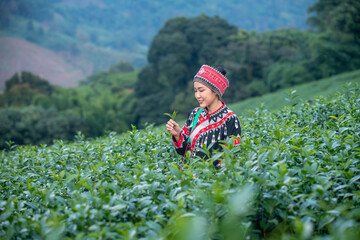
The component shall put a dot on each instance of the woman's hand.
(173, 128)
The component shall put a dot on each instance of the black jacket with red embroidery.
(219, 125)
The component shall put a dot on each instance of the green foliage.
(286, 74)
(337, 47)
(121, 67)
(306, 92)
(35, 125)
(113, 79)
(337, 15)
(102, 107)
(264, 62)
(333, 53)
(24, 88)
(35, 82)
(102, 103)
(294, 176)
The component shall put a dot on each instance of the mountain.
(94, 34)
(18, 54)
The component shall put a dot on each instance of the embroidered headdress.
(212, 78)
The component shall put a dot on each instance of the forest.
(34, 112)
(99, 32)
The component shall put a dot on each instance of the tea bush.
(295, 176)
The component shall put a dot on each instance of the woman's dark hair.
(221, 70)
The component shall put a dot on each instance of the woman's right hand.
(173, 128)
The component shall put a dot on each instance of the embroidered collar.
(208, 115)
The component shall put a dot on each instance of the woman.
(215, 122)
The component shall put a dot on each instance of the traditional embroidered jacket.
(219, 125)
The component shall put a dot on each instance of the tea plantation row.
(295, 175)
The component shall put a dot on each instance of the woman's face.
(204, 95)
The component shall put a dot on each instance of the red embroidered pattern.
(186, 131)
(213, 76)
(211, 126)
(180, 142)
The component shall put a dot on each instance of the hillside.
(294, 176)
(93, 35)
(20, 55)
(304, 92)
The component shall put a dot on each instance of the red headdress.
(212, 78)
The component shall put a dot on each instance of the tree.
(35, 125)
(337, 46)
(336, 15)
(121, 67)
(175, 54)
(35, 82)
(253, 61)
(21, 89)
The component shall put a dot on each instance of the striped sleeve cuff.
(180, 142)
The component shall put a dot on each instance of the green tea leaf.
(172, 116)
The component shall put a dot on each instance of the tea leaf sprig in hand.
(172, 116)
